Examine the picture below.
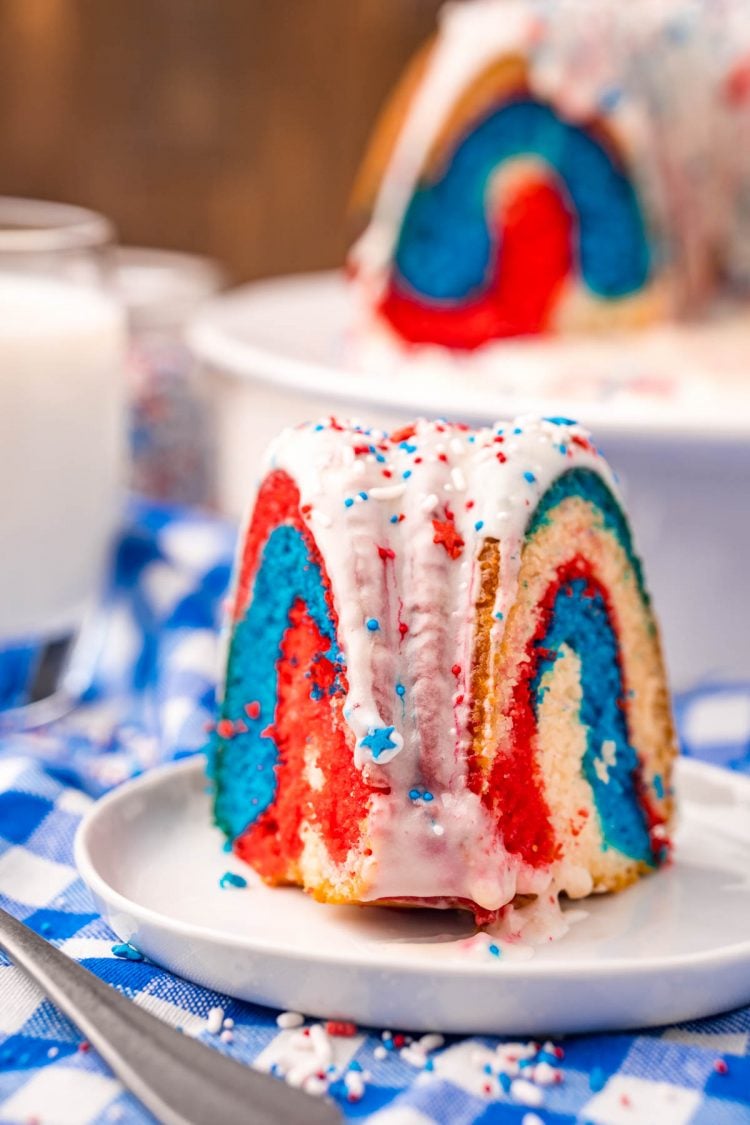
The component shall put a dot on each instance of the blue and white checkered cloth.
(151, 701)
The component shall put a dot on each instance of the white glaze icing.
(434, 596)
(658, 70)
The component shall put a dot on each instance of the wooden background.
(228, 127)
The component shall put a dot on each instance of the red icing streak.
(340, 805)
(535, 258)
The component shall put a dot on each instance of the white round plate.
(674, 947)
(668, 381)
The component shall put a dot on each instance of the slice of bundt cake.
(558, 166)
(444, 683)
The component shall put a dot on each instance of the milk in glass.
(61, 441)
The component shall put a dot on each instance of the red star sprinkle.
(447, 536)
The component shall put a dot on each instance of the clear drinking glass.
(62, 346)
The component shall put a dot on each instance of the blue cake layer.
(447, 249)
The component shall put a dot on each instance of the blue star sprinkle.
(378, 740)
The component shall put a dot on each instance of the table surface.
(151, 700)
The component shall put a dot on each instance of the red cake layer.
(535, 237)
(515, 791)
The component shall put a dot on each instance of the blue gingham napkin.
(151, 701)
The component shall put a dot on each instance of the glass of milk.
(62, 340)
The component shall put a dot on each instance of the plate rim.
(213, 342)
(722, 957)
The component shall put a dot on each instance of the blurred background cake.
(559, 166)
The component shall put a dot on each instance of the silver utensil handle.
(180, 1080)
